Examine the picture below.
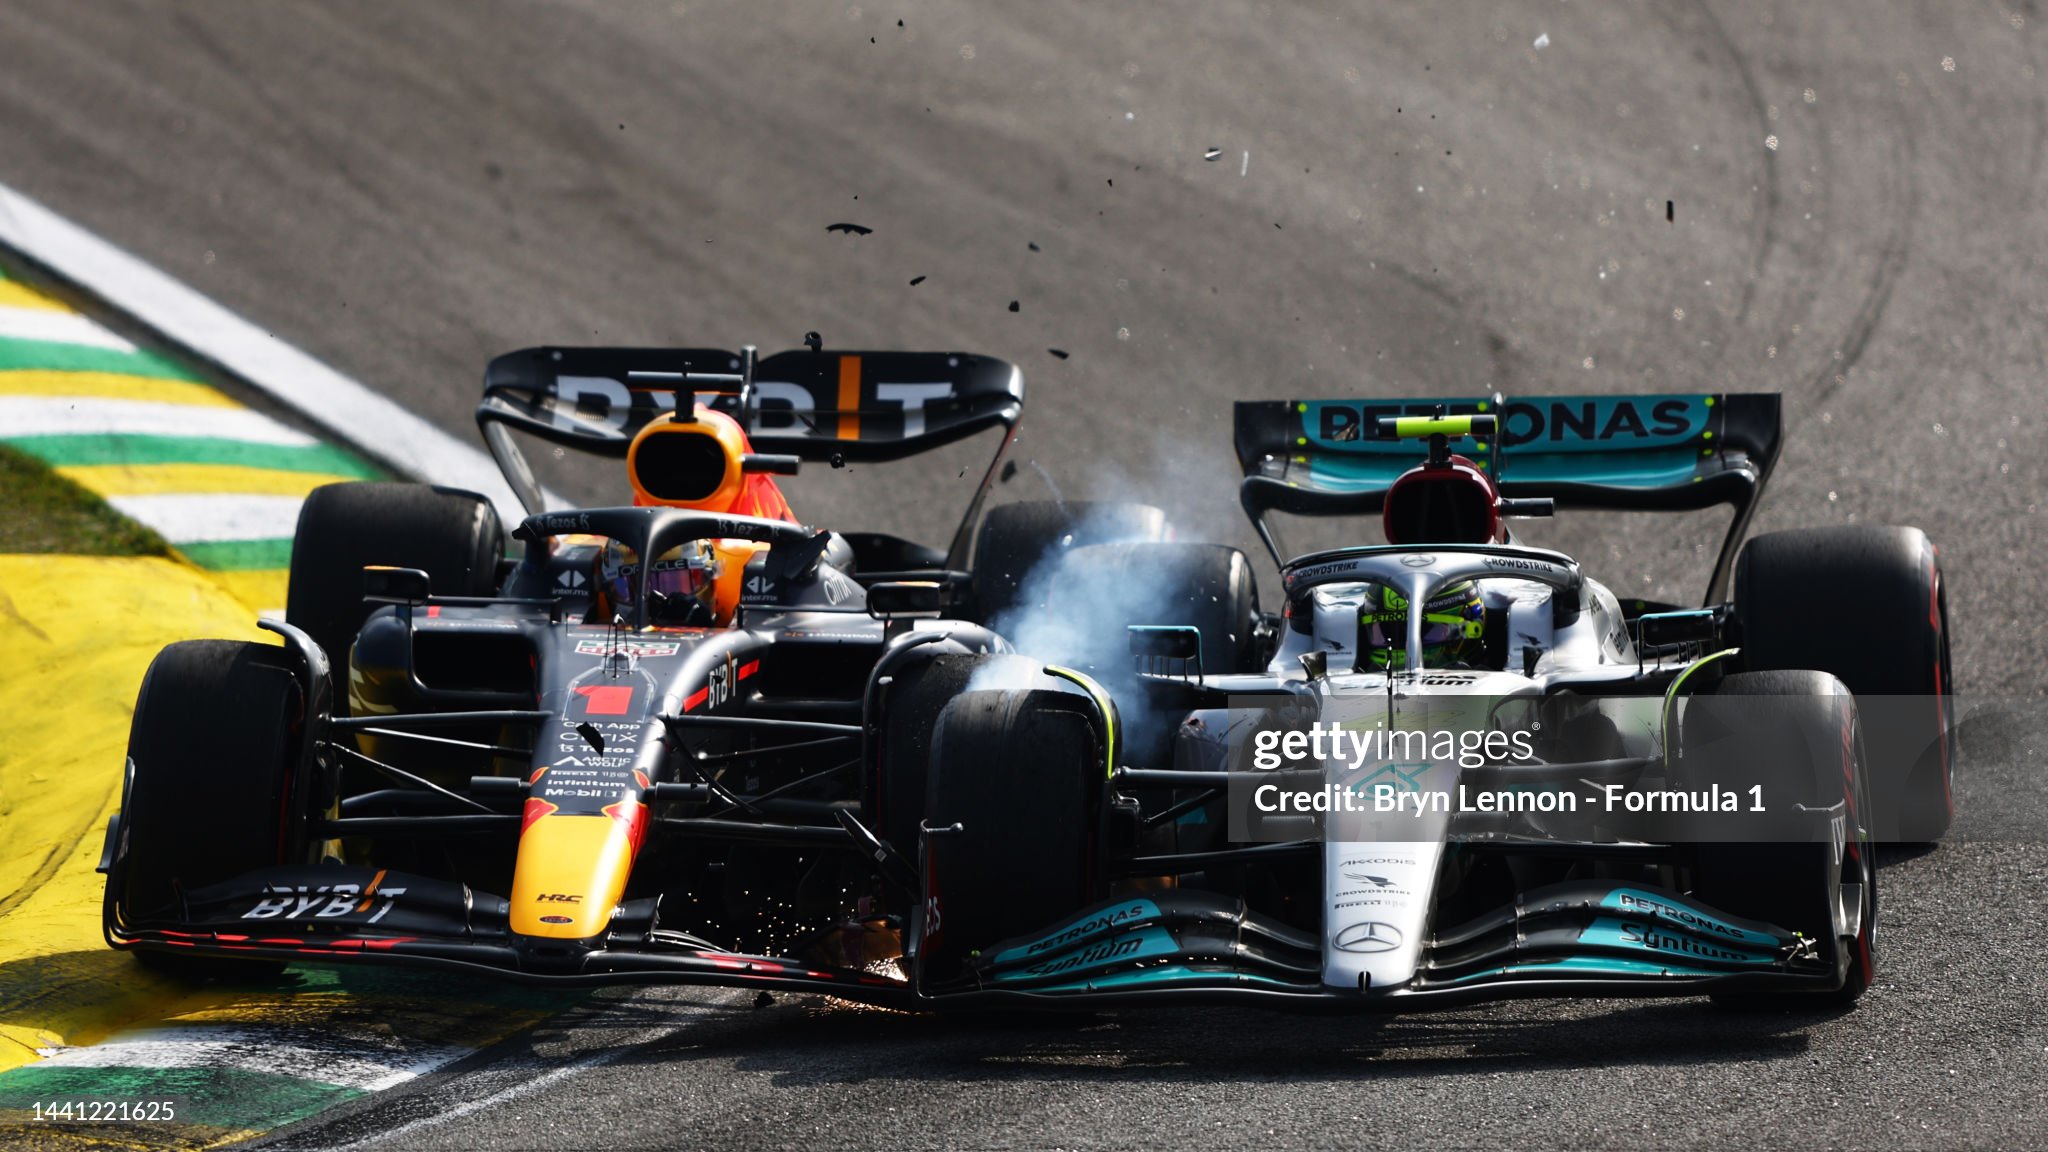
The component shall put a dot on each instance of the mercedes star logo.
(1368, 936)
(1418, 560)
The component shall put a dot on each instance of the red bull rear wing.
(837, 407)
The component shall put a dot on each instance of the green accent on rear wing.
(1411, 427)
(1675, 452)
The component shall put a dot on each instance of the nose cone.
(572, 870)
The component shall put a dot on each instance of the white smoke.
(1055, 620)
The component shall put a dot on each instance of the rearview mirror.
(1163, 642)
(1697, 626)
(906, 599)
(401, 584)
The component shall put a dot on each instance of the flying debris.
(1013, 305)
(856, 229)
(1543, 40)
(1212, 154)
(916, 280)
(1059, 352)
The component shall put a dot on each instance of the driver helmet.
(680, 587)
(1453, 624)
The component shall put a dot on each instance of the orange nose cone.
(572, 870)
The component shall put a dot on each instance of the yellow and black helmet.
(1453, 628)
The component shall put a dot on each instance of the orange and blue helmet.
(681, 587)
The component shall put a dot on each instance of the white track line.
(300, 1053)
(57, 328)
(196, 518)
(372, 423)
(91, 415)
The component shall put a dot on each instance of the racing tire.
(1015, 538)
(1797, 735)
(1101, 589)
(214, 744)
(896, 790)
(1022, 774)
(451, 535)
(1867, 605)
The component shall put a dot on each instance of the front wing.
(1587, 939)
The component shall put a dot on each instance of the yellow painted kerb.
(111, 386)
(76, 635)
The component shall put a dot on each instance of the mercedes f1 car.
(560, 768)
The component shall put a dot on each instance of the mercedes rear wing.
(1675, 452)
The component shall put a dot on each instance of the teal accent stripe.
(1168, 974)
(1591, 966)
(70, 451)
(221, 1097)
(239, 555)
(54, 357)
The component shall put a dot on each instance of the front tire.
(214, 742)
(1797, 736)
(1022, 773)
(895, 793)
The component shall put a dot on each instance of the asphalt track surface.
(1429, 204)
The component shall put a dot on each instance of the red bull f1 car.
(1066, 761)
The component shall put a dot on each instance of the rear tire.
(1015, 538)
(1866, 605)
(1795, 734)
(214, 742)
(1022, 772)
(451, 535)
(1099, 590)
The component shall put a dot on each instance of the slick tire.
(1022, 774)
(1867, 605)
(451, 535)
(214, 740)
(895, 792)
(1015, 538)
(1797, 736)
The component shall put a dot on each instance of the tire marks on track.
(1891, 263)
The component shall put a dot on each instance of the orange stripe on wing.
(371, 891)
(849, 397)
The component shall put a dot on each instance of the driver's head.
(680, 589)
(1453, 628)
